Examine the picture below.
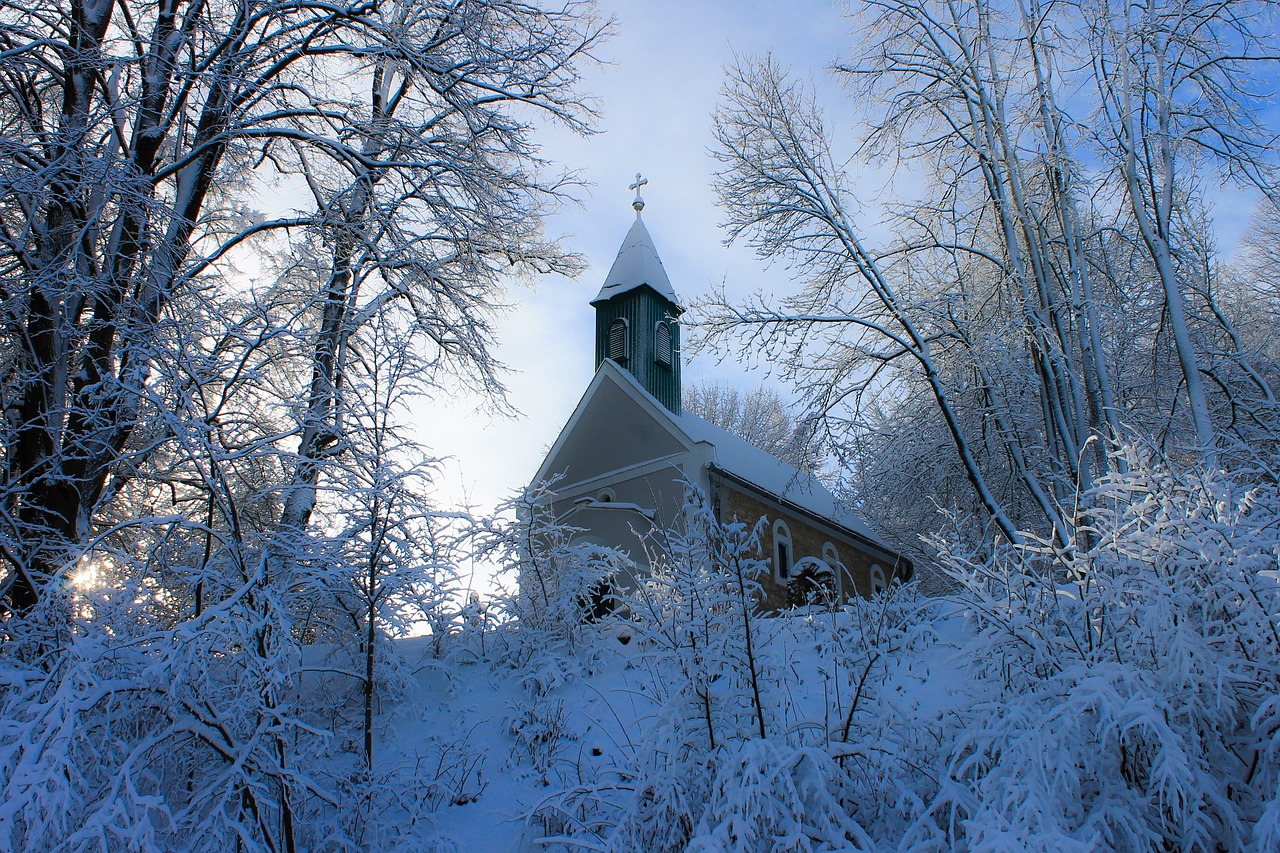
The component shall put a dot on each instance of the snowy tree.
(1177, 83)
(782, 191)
(142, 142)
(759, 416)
(1261, 244)
(1040, 318)
(394, 553)
(209, 214)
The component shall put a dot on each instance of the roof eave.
(602, 299)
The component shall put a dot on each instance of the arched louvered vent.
(618, 341)
(662, 344)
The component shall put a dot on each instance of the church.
(619, 464)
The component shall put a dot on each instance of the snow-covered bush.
(135, 736)
(540, 730)
(393, 808)
(559, 576)
(1124, 687)
(660, 814)
(696, 613)
(766, 797)
(880, 740)
(130, 720)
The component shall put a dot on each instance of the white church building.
(620, 462)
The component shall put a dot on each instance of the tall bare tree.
(1177, 83)
(759, 416)
(203, 206)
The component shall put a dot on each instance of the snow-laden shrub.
(856, 644)
(548, 670)
(696, 616)
(749, 795)
(882, 741)
(1123, 688)
(540, 731)
(661, 814)
(560, 578)
(766, 797)
(1267, 723)
(134, 736)
(393, 808)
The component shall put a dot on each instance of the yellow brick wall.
(807, 540)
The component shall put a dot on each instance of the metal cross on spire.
(638, 203)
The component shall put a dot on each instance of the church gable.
(613, 428)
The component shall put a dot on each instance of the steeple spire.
(637, 313)
(637, 263)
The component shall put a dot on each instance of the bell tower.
(638, 315)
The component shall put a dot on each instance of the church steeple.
(637, 314)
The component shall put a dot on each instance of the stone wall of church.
(807, 540)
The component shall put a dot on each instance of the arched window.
(619, 341)
(831, 557)
(782, 555)
(662, 343)
(877, 578)
(812, 582)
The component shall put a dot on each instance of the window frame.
(783, 552)
(619, 322)
(663, 355)
(831, 556)
(877, 578)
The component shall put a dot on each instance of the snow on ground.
(502, 753)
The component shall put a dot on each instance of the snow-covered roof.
(770, 474)
(637, 264)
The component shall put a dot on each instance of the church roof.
(637, 264)
(771, 475)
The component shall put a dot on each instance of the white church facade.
(620, 463)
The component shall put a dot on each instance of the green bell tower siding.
(638, 315)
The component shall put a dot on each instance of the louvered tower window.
(618, 340)
(662, 343)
